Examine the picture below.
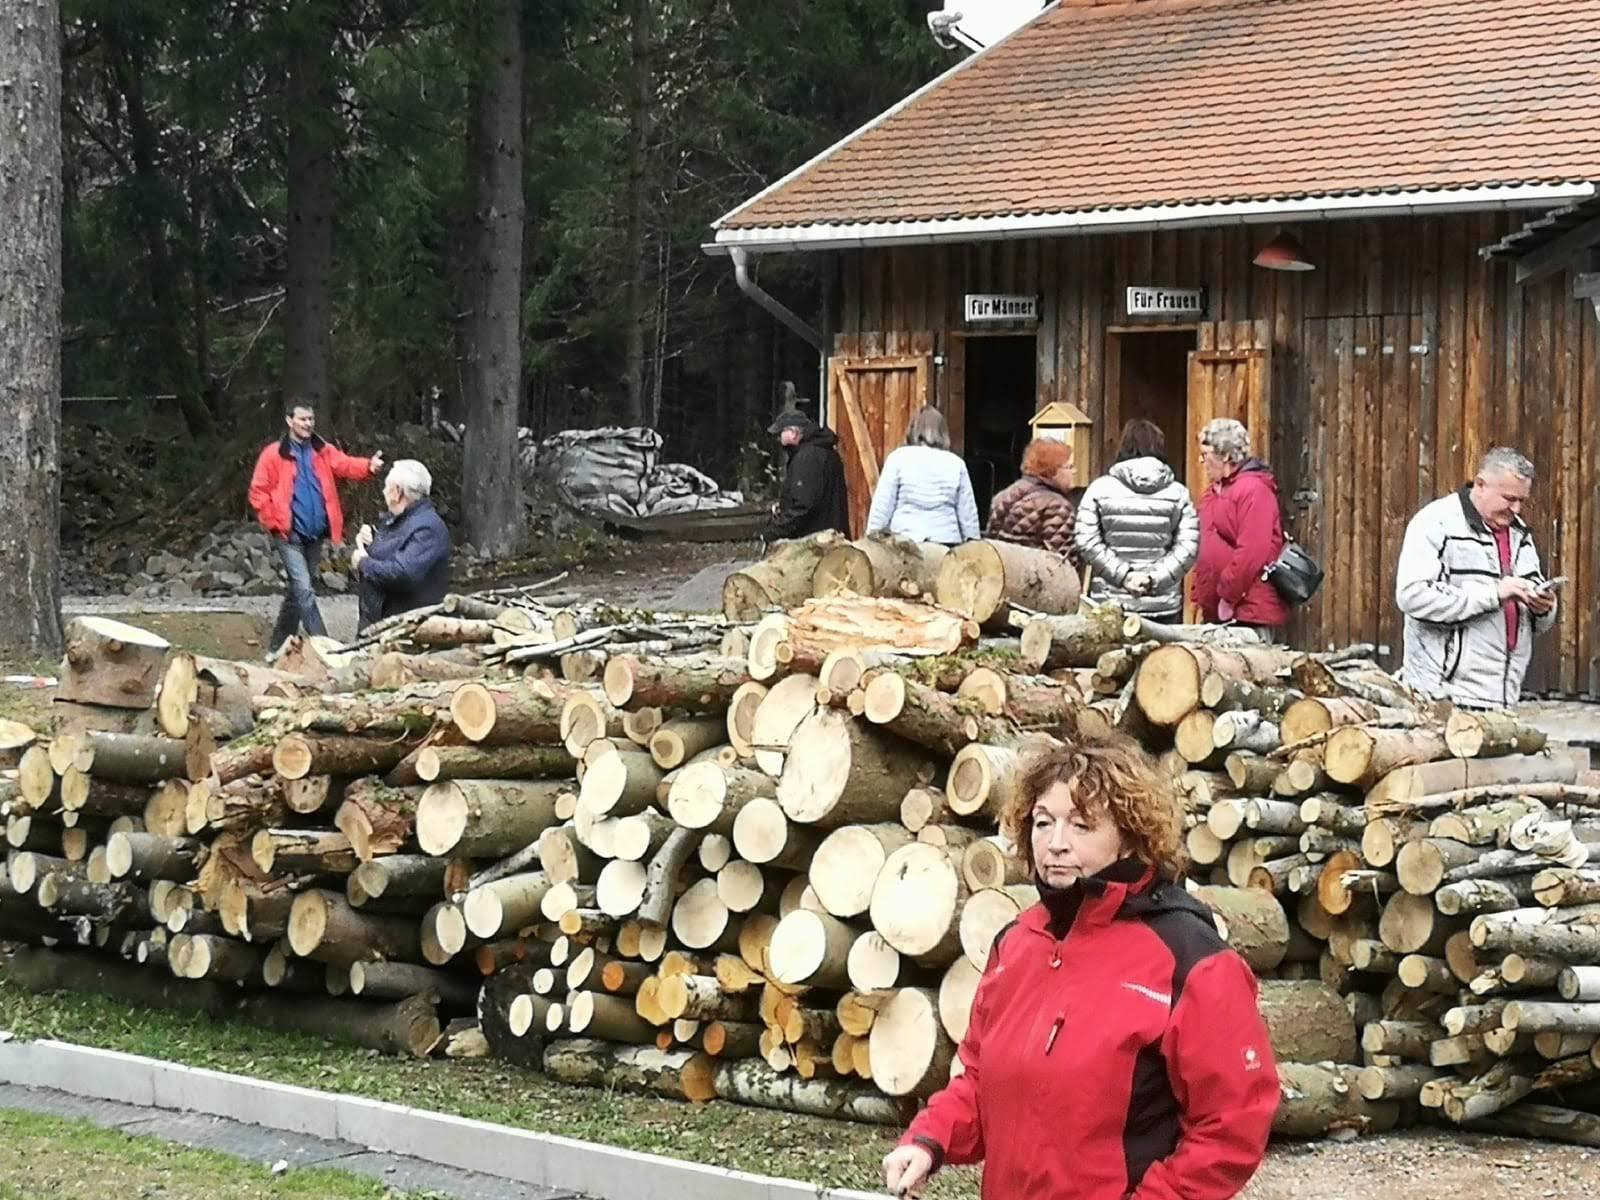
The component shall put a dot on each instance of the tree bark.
(491, 480)
(376, 818)
(783, 579)
(1487, 735)
(751, 1081)
(30, 331)
(408, 1026)
(1050, 643)
(635, 247)
(1319, 1100)
(301, 754)
(322, 925)
(676, 1074)
(312, 197)
(1168, 685)
(112, 664)
(485, 818)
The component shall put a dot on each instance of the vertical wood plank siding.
(1393, 366)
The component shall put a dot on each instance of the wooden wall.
(1393, 366)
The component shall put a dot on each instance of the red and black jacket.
(1115, 1052)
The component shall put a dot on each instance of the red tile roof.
(1101, 105)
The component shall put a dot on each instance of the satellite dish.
(977, 24)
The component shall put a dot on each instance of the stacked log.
(673, 875)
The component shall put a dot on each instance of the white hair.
(1503, 460)
(1229, 439)
(411, 477)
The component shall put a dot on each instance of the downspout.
(745, 267)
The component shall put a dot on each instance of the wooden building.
(1076, 214)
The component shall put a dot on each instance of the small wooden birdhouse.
(1063, 422)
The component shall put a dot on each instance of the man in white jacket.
(1472, 589)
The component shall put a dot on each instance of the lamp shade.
(1284, 253)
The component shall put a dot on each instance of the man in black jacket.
(814, 496)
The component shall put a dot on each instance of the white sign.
(1166, 302)
(989, 307)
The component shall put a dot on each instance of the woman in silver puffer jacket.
(1137, 528)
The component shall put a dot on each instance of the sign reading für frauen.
(1166, 302)
(985, 306)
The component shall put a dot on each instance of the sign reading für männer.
(1147, 301)
(989, 306)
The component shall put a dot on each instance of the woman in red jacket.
(1241, 533)
(1115, 1051)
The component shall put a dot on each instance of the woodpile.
(761, 862)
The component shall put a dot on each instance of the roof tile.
(1107, 104)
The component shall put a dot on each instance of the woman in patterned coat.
(1035, 510)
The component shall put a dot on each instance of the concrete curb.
(543, 1160)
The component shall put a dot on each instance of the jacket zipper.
(1061, 1017)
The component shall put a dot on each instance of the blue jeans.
(300, 599)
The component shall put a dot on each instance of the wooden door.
(871, 400)
(1365, 383)
(1230, 373)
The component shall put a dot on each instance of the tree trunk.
(916, 903)
(322, 925)
(840, 772)
(1487, 735)
(700, 684)
(485, 818)
(982, 579)
(146, 857)
(397, 980)
(303, 851)
(635, 246)
(1168, 685)
(153, 204)
(922, 714)
(1409, 785)
(751, 1081)
(1252, 921)
(846, 865)
(910, 1051)
(676, 1074)
(880, 564)
(505, 905)
(312, 198)
(300, 754)
(710, 797)
(491, 480)
(134, 758)
(1542, 1121)
(109, 663)
(1319, 1100)
(508, 714)
(1050, 643)
(408, 1026)
(408, 875)
(376, 818)
(30, 332)
(1359, 756)
(1306, 718)
(783, 579)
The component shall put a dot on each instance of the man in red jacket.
(295, 495)
(1241, 533)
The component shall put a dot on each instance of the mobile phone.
(1552, 585)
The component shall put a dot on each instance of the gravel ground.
(1428, 1165)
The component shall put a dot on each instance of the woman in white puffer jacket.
(924, 492)
(1137, 528)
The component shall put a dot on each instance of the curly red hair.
(1105, 776)
(1044, 457)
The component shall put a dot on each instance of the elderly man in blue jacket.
(405, 562)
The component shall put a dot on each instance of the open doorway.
(1152, 382)
(1000, 389)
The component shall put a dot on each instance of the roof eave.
(1142, 218)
